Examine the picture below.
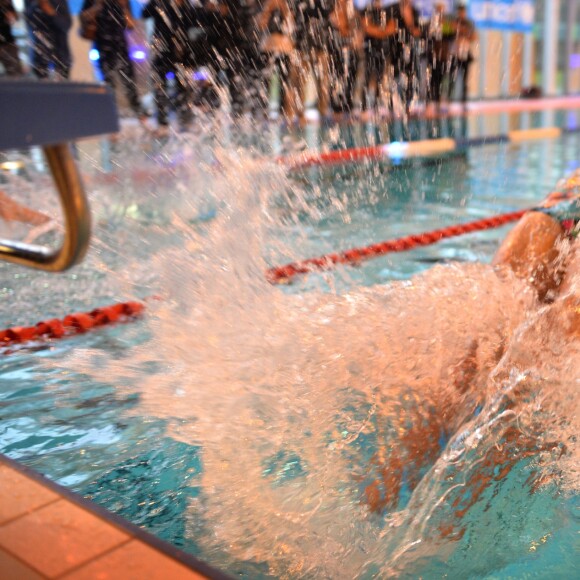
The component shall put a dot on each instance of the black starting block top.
(47, 113)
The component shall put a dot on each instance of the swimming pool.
(246, 423)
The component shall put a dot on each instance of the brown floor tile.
(59, 537)
(13, 569)
(133, 561)
(20, 494)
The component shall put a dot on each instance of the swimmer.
(533, 247)
(542, 250)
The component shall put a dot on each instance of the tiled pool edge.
(181, 565)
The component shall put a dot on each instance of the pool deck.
(46, 531)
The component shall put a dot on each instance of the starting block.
(50, 115)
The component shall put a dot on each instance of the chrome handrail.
(52, 115)
(76, 214)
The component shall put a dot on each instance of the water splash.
(370, 432)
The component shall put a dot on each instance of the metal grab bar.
(76, 214)
(50, 114)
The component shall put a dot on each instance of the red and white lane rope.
(81, 322)
(337, 157)
(71, 324)
(568, 189)
(356, 255)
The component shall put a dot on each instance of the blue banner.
(514, 15)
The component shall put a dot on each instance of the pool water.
(257, 427)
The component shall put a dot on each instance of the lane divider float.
(71, 324)
(534, 134)
(399, 150)
(395, 151)
(355, 256)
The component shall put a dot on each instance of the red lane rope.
(80, 322)
(72, 324)
(357, 255)
(334, 157)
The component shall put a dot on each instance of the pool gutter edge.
(117, 521)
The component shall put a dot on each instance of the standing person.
(438, 52)
(312, 19)
(378, 27)
(403, 52)
(277, 19)
(461, 57)
(112, 18)
(9, 57)
(206, 40)
(172, 53)
(346, 43)
(240, 56)
(49, 22)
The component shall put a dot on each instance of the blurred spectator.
(403, 49)
(277, 45)
(312, 41)
(48, 23)
(346, 43)
(439, 38)
(240, 56)
(206, 37)
(378, 27)
(246, 42)
(9, 57)
(206, 48)
(172, 53)
(461, 57)
(112, 19)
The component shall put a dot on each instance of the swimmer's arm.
(529, 250)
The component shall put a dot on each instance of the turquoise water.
(242, 422)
